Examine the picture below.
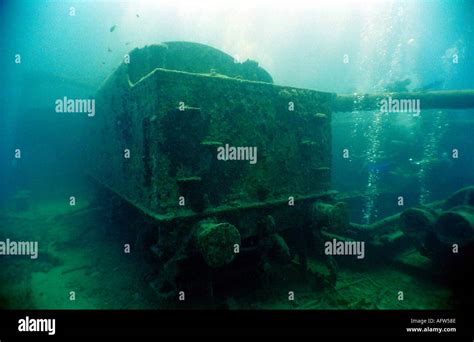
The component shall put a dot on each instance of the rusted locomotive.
(160, 121)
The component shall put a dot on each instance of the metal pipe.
(453, 99)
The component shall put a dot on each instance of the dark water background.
(301, 44)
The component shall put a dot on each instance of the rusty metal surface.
(167, 144)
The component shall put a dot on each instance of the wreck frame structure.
(170, 122)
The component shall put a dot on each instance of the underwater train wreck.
(153, 144)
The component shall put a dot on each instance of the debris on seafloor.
(464, 196)
(456, 226)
